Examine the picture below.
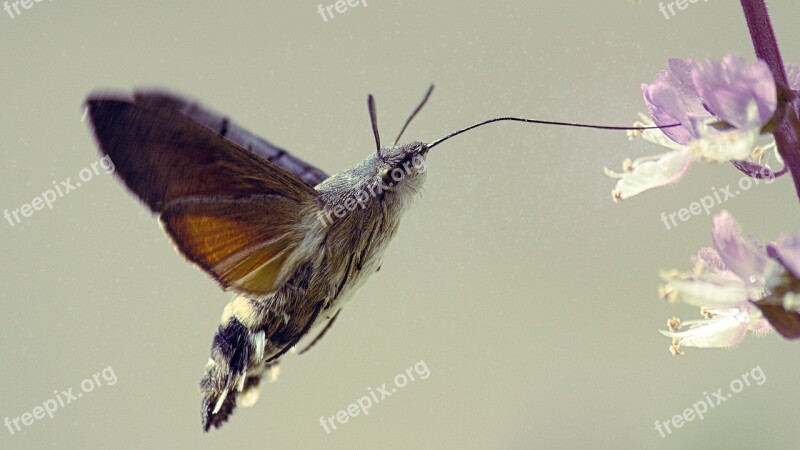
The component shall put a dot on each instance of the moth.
(261, 222)
(292, 243)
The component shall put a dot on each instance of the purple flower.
(672, 98)
(739, 93)
(739, 286)
(787, 251)
(725, 280)
(721, 106)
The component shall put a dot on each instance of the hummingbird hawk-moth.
(248, 214)
(293, 243)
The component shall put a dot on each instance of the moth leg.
(249, 395)
(321, 333)
(299, 335)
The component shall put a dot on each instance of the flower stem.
(766, 47)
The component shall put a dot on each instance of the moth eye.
(386, 176)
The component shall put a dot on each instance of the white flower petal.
(647, 174)
(736, 143)
(724, 331)
(721, 147)
(701, 293)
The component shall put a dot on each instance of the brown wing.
(244, 243)
(239, 217)
(238, 135)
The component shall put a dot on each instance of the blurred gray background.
(529, 295)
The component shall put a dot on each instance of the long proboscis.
(546, 122)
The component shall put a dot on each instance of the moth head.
(399, 167)
(393, 173)
(402, 165)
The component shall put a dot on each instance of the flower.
(787, 250)
(651, 171)
(726, 279)
(731, 88)
(720, 107)
(739, 286)
(786, 289)
(672, 98)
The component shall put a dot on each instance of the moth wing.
(163, 155)
(230, 130)
(249, 244)
(237, 216)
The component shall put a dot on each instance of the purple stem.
(766, 46)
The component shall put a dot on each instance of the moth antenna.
(373, 116)
(414, 114)
(546, 122)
